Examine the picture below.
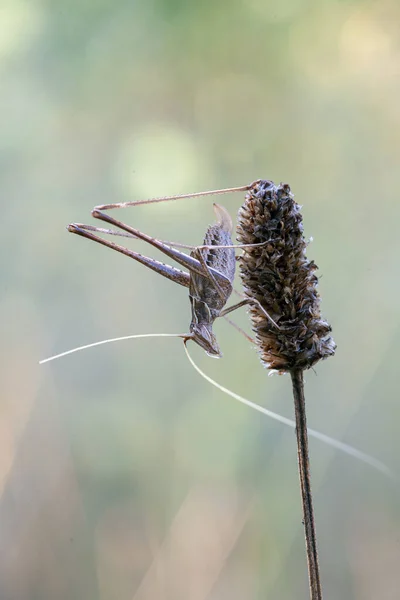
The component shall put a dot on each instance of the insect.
(211, 267)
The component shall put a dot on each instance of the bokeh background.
(124, 475)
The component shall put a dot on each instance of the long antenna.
(346, 448)
(110, 340)
(342, 446)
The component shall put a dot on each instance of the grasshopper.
(211, 266)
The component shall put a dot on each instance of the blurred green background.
(124, 475)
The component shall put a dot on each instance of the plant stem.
(305, 484)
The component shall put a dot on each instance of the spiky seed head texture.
(282, 280)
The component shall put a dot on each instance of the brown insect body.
(211, 267)
(208, 296)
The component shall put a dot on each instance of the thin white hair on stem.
(109, 341)
(346, 448)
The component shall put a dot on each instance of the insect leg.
(240, 330)
(249, 301)
(130, 235)
(185, 260)
(243, 188)
(167, 271)
(104, 230)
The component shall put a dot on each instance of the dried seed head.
(281, 280)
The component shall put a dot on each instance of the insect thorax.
(208, 297)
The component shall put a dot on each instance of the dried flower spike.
(282, 280)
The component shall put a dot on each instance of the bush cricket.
(211, 269)
(211, 266)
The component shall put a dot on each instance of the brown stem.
(305, 484)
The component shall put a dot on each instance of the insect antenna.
(342, 446)
(184, 336)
